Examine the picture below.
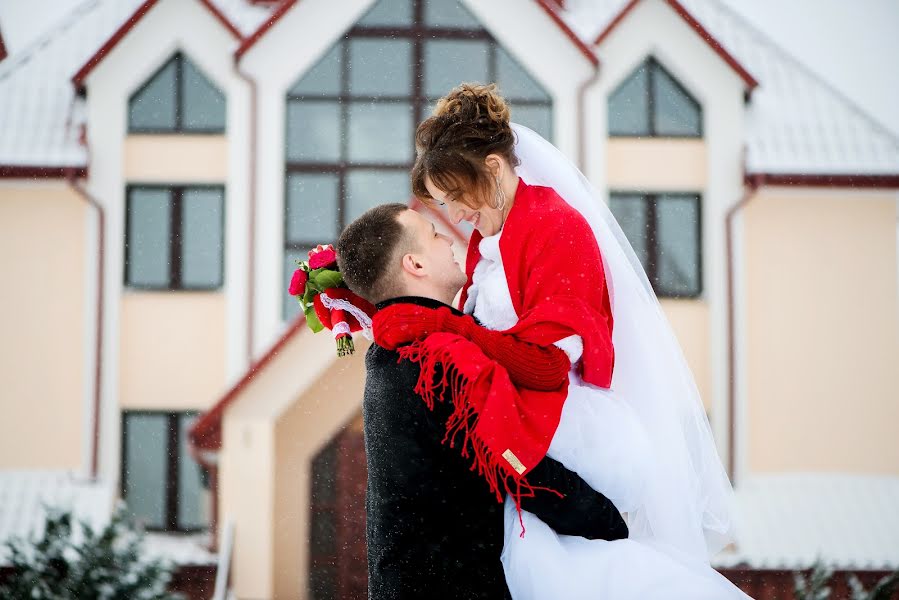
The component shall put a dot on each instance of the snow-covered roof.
(796, 123)
(40, 114)
(789, 521)
(25, 496)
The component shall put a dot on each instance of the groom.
(434, 529)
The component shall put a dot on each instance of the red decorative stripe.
(3, 53)
(755, 180)
(31, 172)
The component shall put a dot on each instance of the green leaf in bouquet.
(312, 320)
(308, 295)
(323, 279)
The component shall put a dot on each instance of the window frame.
(418, 33)
(651, 202)
(178, 57)
(176, 199)
(171, 491)
(651, 64)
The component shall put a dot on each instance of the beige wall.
(172, 350)
(664, 165)
(42, 320)
(822, 346)
(282, 418)
(298, 440)
(176, 158)
(690, 321)
(670, 165)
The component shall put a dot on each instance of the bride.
(546, 249)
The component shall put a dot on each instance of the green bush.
(814, 587)
(73, 561)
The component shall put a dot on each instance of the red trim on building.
(3, 53)
(218, 14)
(728, 58)
(33, 172)
(552, 11)
(254, 37)
(842, 181)
(206, 432)
(121, 32)
(547, 5)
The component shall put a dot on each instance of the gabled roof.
(791, 520)
(733, 63)
(797, 125)
(40, 113)
(104, 50)
(549, 6)
(798, 128)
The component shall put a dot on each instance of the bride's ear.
(494, 164)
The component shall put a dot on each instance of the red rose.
(322, 257)
(298, 282)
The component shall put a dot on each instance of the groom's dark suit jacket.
(434, 529)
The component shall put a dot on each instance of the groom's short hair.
(368, 251)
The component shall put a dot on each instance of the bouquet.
(326, 300)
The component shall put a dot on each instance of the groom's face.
(433, 253)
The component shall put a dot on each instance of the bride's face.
(486, 219)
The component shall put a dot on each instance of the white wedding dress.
(601, 438)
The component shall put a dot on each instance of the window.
(178, 98)
(162, 485)
(652, 103)
(665, 231)
(174, 238)
(351, 118)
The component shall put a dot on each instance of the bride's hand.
(400, 324)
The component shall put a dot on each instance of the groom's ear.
(411, 264)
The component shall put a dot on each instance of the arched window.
(651, 103)
(351, 118)
(178, 98)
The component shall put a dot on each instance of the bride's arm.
(530, 366)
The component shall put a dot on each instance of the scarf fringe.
(441, 374)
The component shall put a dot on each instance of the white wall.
(653, 28)
(169, 26)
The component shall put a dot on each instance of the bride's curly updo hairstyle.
(469, 124)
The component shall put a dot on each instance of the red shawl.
(555, 277)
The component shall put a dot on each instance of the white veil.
(689, 502)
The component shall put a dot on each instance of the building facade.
(164, 162)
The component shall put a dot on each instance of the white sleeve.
(573, 346)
